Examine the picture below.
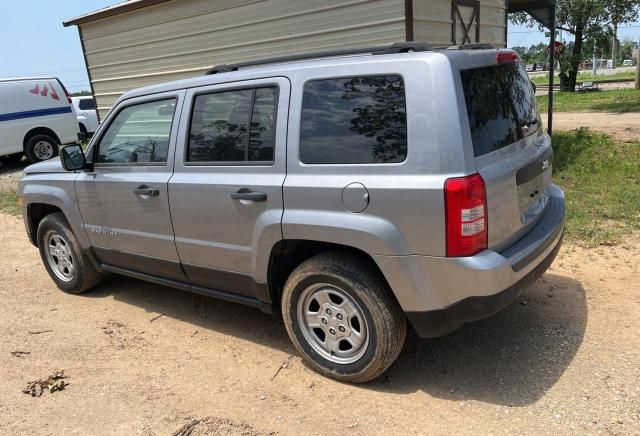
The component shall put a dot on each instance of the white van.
(36, 117)
(85, 107)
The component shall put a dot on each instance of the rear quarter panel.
(405, 214)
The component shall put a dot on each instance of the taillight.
(505, 57)
(67, 94)
(466, 215)
(65, 91)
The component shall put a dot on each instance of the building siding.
(432, 22)
(183, 38)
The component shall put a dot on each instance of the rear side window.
(87, 104)
(233, 126)
(354, 120)
(501, 106)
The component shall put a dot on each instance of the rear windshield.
(501, 105)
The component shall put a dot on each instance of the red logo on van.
(45, 91)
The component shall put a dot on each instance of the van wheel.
(41, 147)
(68, 266)
(342, 318)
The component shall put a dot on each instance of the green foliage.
(586, 20)
(9, 202)
(81, 93)
(623, 100)
(534, 54)
(601, 179)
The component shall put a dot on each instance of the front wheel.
(68, 266)
(342, 318)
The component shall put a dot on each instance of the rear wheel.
(342, 318)
(68, 266)
(41, 147)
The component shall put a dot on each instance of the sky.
(35, 43)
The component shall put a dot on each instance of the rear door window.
(501, 105)
(354, 120)
(233, 126)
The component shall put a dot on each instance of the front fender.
(57, 190)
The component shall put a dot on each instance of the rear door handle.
(146, 191)
(245, 194)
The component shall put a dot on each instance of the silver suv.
(350, 191)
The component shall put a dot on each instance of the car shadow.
(9, 167)
(205, 313)
(512, 358)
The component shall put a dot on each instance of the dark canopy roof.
(540, 10)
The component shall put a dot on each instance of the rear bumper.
(440, 294)
(441, 322)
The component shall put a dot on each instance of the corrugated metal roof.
(539, 9)
(109, 11)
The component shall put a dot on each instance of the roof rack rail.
(398, 47)
(474, 46)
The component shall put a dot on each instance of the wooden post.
(638, 66)
(552, 63)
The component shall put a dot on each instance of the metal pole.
(552, 62)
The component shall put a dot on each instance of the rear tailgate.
(512, 153)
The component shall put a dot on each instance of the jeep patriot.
(352, 192)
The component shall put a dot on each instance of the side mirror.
(73, 158)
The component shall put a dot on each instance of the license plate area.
(532, 181)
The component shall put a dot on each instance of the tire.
(372, 323)
(41, 147)
(80, 274)
(12, 159)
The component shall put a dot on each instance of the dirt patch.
(563, 359)
(622, 126)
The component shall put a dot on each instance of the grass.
(9, 202)
(601, 179)
(620, 101)
(543, 79)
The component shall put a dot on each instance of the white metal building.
(140, 42)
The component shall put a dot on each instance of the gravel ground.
(11, 174)
(144, 359)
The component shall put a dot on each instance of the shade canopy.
(541, 10)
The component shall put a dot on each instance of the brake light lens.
(466, 215)
(505, 57)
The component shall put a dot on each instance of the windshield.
(501, 105)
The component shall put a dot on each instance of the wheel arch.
(39, 131)
(287, 254)
(35, 214)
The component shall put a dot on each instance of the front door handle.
(246, 194)
(145, 191)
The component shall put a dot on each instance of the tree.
(81, 93)
(586, 19)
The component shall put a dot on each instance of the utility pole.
(614, 46)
